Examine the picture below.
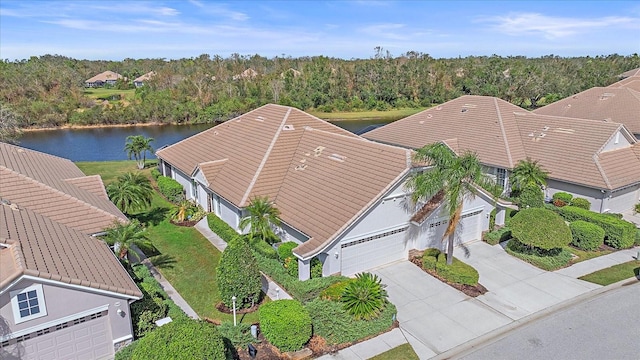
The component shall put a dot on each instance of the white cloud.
(554, 27)
(385, 31)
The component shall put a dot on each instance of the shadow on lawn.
(152, 217)
(163, 261)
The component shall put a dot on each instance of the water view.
(104, 144)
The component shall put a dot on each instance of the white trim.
(124, 338)
(55, 322)
(42, 307)
(373, 233)
(69, 286)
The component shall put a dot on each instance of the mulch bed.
(187, 223)
(224, 309)
(469, 290)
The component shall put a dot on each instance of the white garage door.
(469, 227)
(85, 338)
(373, 251)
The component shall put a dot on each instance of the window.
(501, 177)
(28, 303)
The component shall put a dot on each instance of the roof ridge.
(504, 134)
(265, 157)
(42, 185)
(104, 190)
(601, 170)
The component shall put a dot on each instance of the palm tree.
(123, 236)
(528, 172)
(455, 177)
(137, 146)
(263, 216)
(131, 192)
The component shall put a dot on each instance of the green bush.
(126, 352)
(364, 298)
(548, 260)
(492, 219)
(286, 324)
(238, 275)
(637, 242)
(171, 189)
(581, 203)
(497, 236)
(562, 196)
(185, 339)
(239, 335)
(540, 228)
(586, 236)
(155, 174)
(262, 247)
(335, 291)
(619, 234)
(458, 272)
(531, 196)
(285, 250)
(637, 208)
(332, 322)
(221, 228)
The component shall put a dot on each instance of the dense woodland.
(49, 90)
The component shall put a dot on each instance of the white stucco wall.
(594, 196)
(618, 141)
(229, 214)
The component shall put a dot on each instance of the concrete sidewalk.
(438, 320)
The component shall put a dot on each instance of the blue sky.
(115, 30)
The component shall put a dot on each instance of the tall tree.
(9, 125)
(454, 176)
(137, 147)
(124, 236)
(528, 172)
(263, 216)
(131, 192)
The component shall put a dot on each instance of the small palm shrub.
(540, 228)
(581, 203)
(183, 211)
(286, 324)
(364, 297)
(238, 275)
(586, 236)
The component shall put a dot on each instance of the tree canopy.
(262, 218)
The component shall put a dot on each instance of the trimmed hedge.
(619, 234)
(155, 174)
(531, 196)
(458, 272)
(581, 203)
(185, 339)
(562, 196)
(497, 236)
(171, 189)
(126, 352)
(540, 228)
(263, 248)
(336, 326)
(221, 228)
(286, 324)
(548, 260)
(586, 236)
(238, 275)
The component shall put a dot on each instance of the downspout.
(602, 200)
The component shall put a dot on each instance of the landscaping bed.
(472, 290)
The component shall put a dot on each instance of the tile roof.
(145, 77)
(56, 188)
(318, 174)
(632, 83)
(104, 76)
(38, 246)
(632, 72)
(620, 105)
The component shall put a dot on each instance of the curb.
(500, 333)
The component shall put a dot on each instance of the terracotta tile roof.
(41, 247)
(480, 124)
(620, 167)
(632, 83)
(620, 105)
(56, 188)
(104, 76)
(632, 72)
(318, 174)
(145, 77)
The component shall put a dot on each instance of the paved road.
(605, 327)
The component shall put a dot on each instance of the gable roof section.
(481, 124)
(254, 145)
(41, 247)
(630, 73)
(104, 76)
(620, 105)
(145, 77)
(632, 83)
(56, 188)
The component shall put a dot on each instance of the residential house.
(247, 74)
(341, 197)
(104, 78)
(63, 293)
(596, 160)
(140, 80)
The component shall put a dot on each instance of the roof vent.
(531, 134)
(545, 128)
(438, 108)
(470, 106)
(5, 202)
(318, 151)
(260, 118)
(288, 127)
(215, 132)
(337, 157)
(542, 135)
(301, 167)
(429, 116)
(421, 122)
(606, 96)
(464, 110)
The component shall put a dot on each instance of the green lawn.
(614, 274)
(404, 352)
(107, 93)
(110, 170)
(366, 115)
(586, 255)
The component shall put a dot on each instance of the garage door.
(84, 338)
(373, 251)
(469, 227)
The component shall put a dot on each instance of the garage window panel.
(28, 303)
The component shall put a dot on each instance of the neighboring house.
(247, 74)
(102, 79)
(139, 81)
(618, 103)
(341, 197)
(597, 160)
(63, 293)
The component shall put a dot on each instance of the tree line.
(48, 91)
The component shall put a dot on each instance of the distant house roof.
(145, 77)
(620, 105)
(35, 245)
(247, 74)
(104, 76)
(632, 82)
(501, 134)
(54, 187)
(320, 176)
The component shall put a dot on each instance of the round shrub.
(581, 203)
(185, 339)
(286, 324)
(238, 275)
(561, 199)
(531, 196)
(540, 228)
(285, 250)
(364, 298)
(586, 236)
